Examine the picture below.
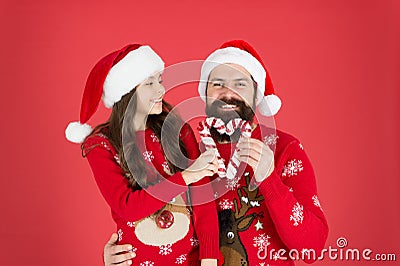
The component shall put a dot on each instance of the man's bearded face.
(230, 93)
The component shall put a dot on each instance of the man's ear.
(255, 92)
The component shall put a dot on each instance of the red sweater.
(282, 213)
(194, 233)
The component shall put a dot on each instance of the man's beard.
(244, 112)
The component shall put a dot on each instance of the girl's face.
(149, 95)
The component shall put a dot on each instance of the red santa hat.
(112, 77)
(241, 53)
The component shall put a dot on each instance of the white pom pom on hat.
(242, 53)
(77, 132)
(112, 77)
(270, 105)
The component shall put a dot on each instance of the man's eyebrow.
(242, 79)
(238, 79)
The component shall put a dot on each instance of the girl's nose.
(161, 90)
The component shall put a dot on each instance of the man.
(269, 212)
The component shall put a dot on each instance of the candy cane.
(245, 130)
(209, 143)
(229, 129)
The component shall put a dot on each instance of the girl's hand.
(205, 165)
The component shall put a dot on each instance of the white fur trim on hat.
(270, 105)
(237, 56)
(77, 132)
(133, 69)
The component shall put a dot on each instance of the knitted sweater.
(260, 227)
(194, 232)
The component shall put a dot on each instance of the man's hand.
(117, 254)
(258, 155)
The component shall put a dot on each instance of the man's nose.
(228, 91)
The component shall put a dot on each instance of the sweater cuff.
(209, 245)
(273, 188)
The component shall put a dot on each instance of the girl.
(136, 170)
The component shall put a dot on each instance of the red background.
(335, 65)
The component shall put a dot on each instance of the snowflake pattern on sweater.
(261, 241)
(194, 241)
(225, 204)
(165, 249)
(148, 156)
(154, 137)
(316, 201)
(181, 259)
(292, 168)
(166, 168)
(147, 263)
(120, 233)
(270, 139)
(297, 215)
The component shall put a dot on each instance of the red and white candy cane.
(229, 129)
(209, 143)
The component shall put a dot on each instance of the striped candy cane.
(229, 129)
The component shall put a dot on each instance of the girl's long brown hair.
(137, 170)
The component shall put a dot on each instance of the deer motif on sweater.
(231, 223)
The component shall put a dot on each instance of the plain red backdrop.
(335, 65)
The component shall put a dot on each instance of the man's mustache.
(223, 101)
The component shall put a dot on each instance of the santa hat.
(241, 53)
(112, 77)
